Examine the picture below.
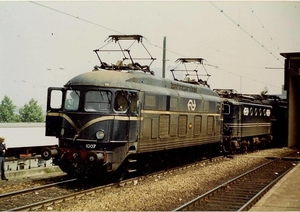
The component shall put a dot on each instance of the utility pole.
(164, 59)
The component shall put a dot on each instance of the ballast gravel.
(167, 192)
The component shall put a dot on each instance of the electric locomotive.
(247, 121)
(122, 118)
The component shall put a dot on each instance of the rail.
(13, 193)
(242, 192)
(45, 203)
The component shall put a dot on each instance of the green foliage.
(7, 111)
(31, 112)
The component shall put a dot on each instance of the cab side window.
(226, 109)
(72, 100)
(120, 101)
(124, 100)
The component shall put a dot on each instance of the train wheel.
(195, 155)
(147, 169)
(146, 165)
(71, 175)
(163, 162)
(120, 174)
(244, 147)
(181, 158)
(264, 143)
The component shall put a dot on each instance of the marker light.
(62, 131)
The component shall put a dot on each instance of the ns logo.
(191, 105)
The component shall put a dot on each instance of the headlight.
(100, 134)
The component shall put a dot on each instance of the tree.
(7, 111)
(31, 112)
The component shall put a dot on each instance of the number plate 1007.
(90, 146)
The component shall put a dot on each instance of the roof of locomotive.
(245, 102)
(231, 96)
(132, 79)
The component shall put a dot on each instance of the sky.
(44, 44)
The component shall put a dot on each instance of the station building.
(292, 86)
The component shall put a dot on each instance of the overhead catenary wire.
(73, 16)
(263, 26)
(249, 78)
(158, 46)
(245, 31)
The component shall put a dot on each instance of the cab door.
(134, 118)
(126, 121)
(54, 109)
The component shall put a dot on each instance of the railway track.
(16, 201)
(67, 195)
(242, 192)
(26, 196)
(60, 197)
(28, 190)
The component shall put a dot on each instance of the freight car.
(25, 139)
(121, 118)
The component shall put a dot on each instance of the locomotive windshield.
(104, 101)
(99, 101)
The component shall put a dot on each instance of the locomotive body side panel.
(246, 119)
(257, 122)
(176, 119)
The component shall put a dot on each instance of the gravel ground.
(15, 184)
(169, 191)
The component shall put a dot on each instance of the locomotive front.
(92, 118)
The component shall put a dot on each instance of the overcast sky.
(44, 44)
